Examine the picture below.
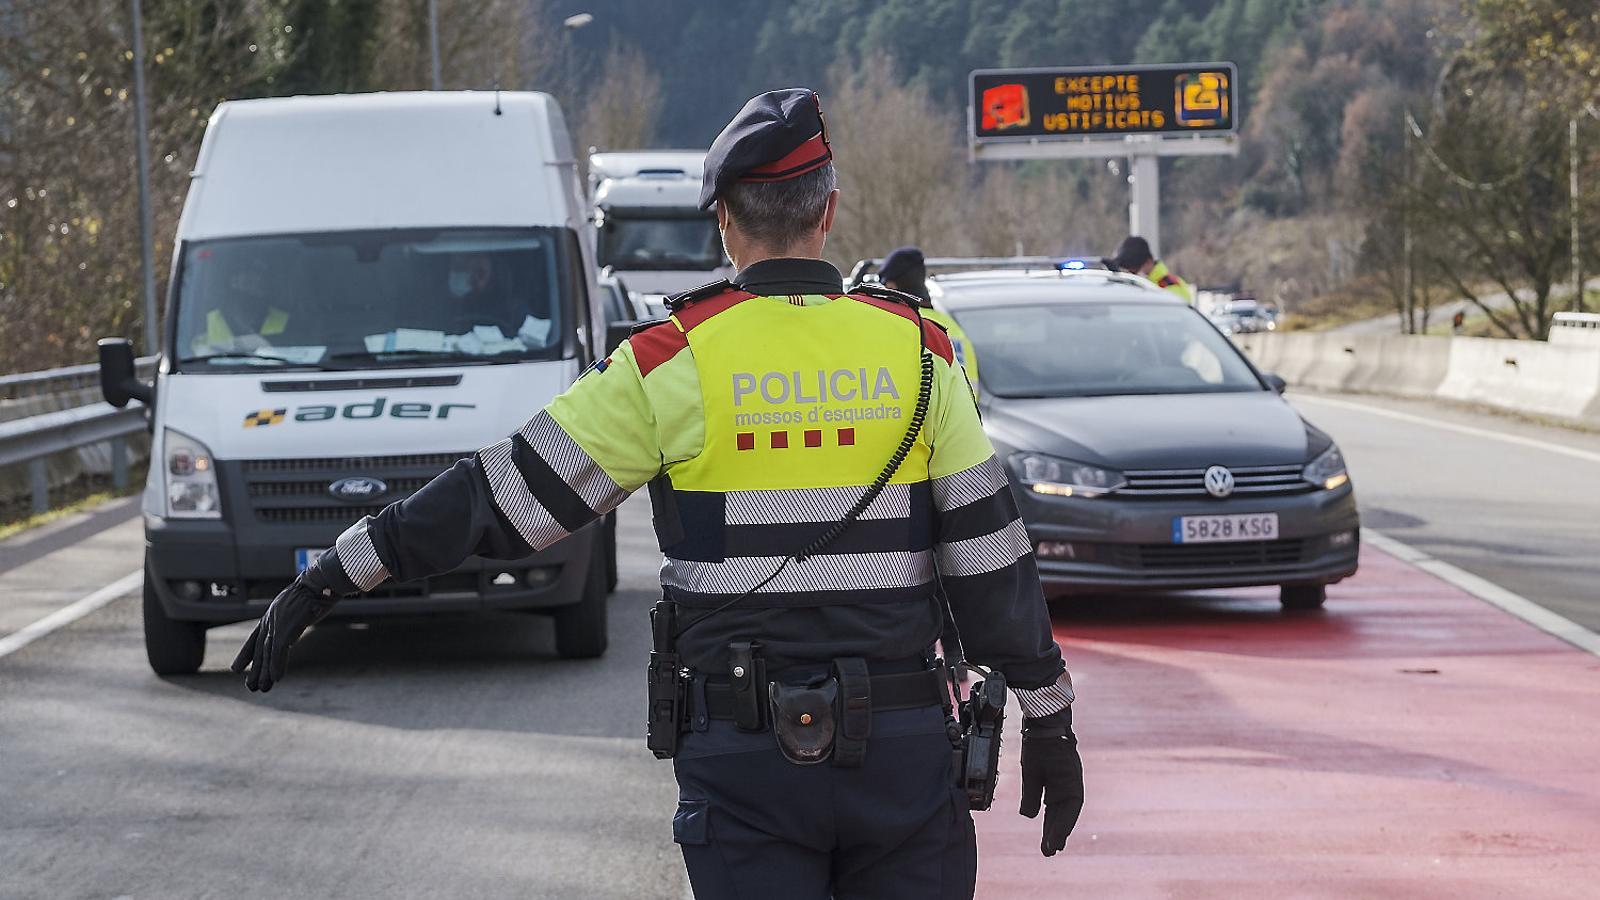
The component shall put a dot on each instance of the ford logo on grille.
(357, 489)
(1219, 482)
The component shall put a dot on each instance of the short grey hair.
(779, 214)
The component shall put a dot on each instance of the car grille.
(1209, 556)
(1251, 480)
(295, 491)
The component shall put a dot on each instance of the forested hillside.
(1393, 151)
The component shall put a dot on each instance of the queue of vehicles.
(345, 321)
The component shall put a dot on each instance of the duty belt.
(906, 690)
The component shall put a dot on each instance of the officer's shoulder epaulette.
(646, 325)
(704, 291)
(884, 293)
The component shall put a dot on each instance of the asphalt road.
(427, 758)
(1521, 514)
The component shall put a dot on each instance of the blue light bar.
(1067, 264)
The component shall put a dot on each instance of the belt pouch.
(747, 675)
(803, 721)
(855, 712)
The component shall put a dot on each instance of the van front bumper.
(202, 572)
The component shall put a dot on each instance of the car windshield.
(633, 241)
(376, 298)
(1102, 349)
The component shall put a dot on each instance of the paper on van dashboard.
(404, 339)
(306, 355)
(535, 330)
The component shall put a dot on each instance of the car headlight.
(1059, 477)
(191, 478)
(1327, 470)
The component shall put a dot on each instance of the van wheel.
(610, 530)
(172, 646)
(581, 627)
(1302, 596)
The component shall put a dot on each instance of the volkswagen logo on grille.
(1219, 482)
(360, 488)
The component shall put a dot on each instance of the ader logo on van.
(377, 408)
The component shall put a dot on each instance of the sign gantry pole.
(1139, 112)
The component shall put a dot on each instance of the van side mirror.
(119, 382)
(616, 333)
(1275, 381)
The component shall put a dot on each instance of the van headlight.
(1059, 477)
(191, 478)
(1327, 470)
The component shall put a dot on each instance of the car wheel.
(173, 647)
(1302, 596)
(581, 627)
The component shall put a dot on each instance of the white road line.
(1574, 452)
(1489, 592)
(66, 615)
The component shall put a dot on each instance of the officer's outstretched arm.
(571, 463)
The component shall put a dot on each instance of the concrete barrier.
(1559, 379)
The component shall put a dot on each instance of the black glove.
(302, 604)
(1052, 771)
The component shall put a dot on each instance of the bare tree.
(900, 176)
(620, 111)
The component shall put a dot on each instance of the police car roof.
(990, 288)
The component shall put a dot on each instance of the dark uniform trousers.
(753, 825)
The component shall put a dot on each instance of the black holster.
(978, 754)
(855, 712)
(747, 675)
(668, 690)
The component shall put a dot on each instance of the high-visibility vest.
(1165, 280)
(794, 431)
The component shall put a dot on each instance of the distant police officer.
(815, 464)
(906, 270)
(1133, 255)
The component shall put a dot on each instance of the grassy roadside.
(81, 495)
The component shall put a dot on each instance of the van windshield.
(636, 240)
(376, 298)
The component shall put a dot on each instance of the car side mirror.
(119, 382)
(1275, 381)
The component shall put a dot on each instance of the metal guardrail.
(51, 381)
(34, 438)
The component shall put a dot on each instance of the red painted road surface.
(1409, 742)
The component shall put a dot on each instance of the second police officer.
(761, 414)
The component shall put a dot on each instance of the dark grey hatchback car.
(1145, 450)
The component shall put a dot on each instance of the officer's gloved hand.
(302, 604)
(1052, 771)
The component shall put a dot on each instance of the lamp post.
(141, 127)
(433, 43)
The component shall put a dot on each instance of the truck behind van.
(652, 231)
(365, 289)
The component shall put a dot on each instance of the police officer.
(906, 270)
(1133, 255)
(760, 414)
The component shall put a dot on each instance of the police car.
(1145, 450)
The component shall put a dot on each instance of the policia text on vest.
(803, 703)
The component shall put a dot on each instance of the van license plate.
(304, 557)
(1217, 529)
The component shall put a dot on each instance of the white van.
(652, 231)
(365, 289)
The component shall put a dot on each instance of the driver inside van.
(245, 320)
(477, 294)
